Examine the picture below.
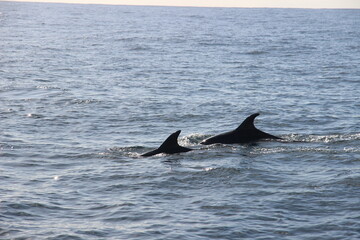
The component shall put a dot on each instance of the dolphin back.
(245, 133)
(151, 153)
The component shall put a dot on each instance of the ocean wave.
(84, 101)
(333, 138)
(256, 52)
(192, 139)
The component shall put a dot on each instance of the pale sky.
(221, 3)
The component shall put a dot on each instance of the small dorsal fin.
(171, 141)
(169, 146)
(248, 123)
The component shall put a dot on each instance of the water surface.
(85, 89)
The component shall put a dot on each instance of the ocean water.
(85, 89)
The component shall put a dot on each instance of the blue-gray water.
(84, 90)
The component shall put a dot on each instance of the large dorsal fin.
(245, 133)
(248, 123)
(171, 141)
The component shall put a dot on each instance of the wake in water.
(334, 143)
(334, 138)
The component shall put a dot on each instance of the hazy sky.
(223, 3)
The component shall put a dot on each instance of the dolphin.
(245, 133)
(169, 146)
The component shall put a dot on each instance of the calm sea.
(85, 89)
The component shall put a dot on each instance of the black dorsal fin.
(169, 146)
(171, 141)
(248, 123)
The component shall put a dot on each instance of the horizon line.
(111, 2)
